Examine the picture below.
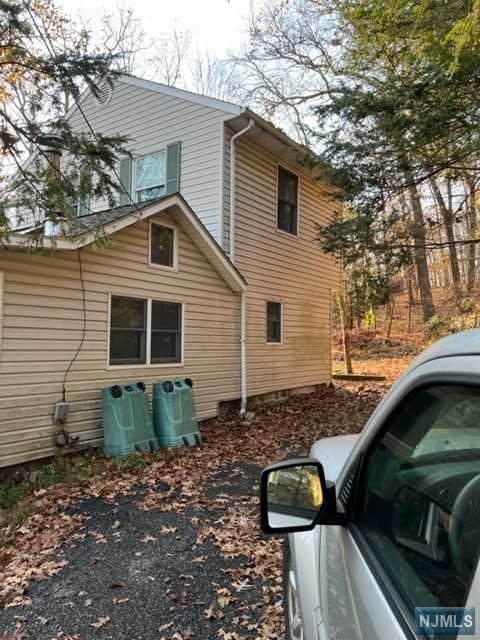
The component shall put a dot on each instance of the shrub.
(436, 327)
(11, 495)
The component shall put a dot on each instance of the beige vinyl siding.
(283, 268)
(42, 328)
(150, 121)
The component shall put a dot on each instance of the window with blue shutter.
(151, 176)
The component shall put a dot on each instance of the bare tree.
(168, 61)
(216, 77)
(288, 61)
(123, 36)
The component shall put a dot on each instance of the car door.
(413, 495)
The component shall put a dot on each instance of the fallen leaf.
(118, 584)
(148, 538)
(101, 622)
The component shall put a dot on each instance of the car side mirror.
(294, 496)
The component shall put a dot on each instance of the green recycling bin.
(127, 420)
(174, 416)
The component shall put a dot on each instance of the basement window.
(287, 201)
(274, 322)
(145, 332)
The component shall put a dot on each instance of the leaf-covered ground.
(171, 549)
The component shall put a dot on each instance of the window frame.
(276, 343)
(281, 167)
(155, 265)
(136, 330)
(135, 160)
(358, 466)
(148, 363)
(151, 331)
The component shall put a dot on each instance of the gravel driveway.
(172, 549)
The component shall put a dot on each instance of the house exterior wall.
(283, 268)
(42, 327)
(151, 121)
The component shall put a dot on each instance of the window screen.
(150, 176)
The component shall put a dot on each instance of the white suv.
(384, 526)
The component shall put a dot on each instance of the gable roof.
(237, 116)
(87, 229)
(182, 94)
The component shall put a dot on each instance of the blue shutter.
(173, 168)
(125, 181)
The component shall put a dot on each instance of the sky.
(218, 25)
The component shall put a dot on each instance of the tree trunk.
(391, 309)
(420, 253)
(471, 219)
(411, 296)
(347, 357)
(447, 217)
(409, 325)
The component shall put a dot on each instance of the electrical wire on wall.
(62, 437)
(84, 326)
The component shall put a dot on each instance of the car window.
(420, 489)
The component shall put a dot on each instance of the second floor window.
(150, 176)
(153, 176)
(287, 201)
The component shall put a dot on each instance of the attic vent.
(104, 94)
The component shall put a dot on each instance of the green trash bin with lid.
(174, 415)
(127, 420)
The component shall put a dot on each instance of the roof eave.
(277, 133)
(202, 238)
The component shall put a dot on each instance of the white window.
(145, 331)
(150, 176)
(163, 245)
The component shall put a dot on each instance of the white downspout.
(233, 140)
(243, 353)
(243, 302)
